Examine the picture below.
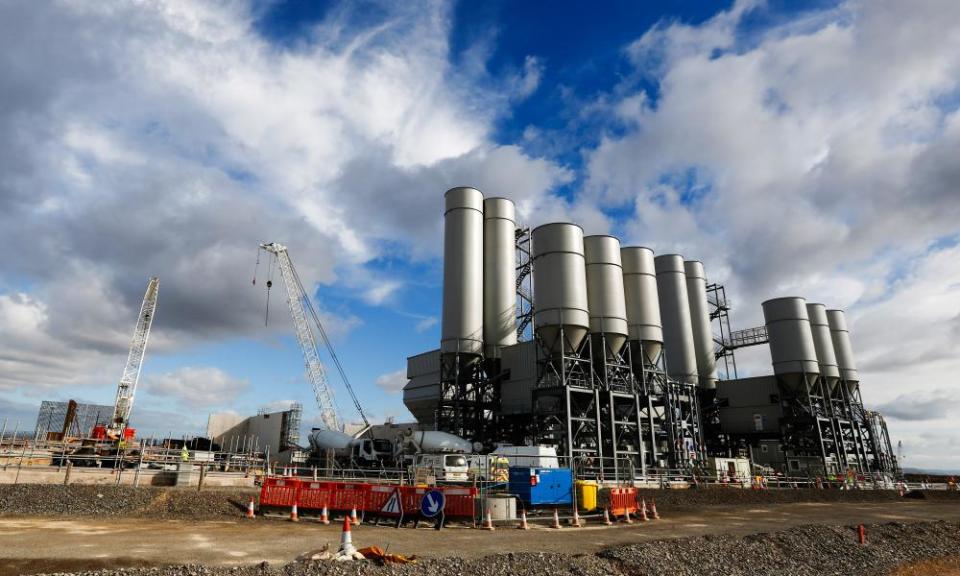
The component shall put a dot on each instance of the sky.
(808, 149)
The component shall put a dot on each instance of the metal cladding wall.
(842, 347)
(675, 313)
(823, 343)
(791, 340)
(462, 326)
(605, 293)
(560, 286)
(642, 300)
(499, 275)
(700, 319)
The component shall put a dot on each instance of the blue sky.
(795, 148)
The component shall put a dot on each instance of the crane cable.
(327, 343)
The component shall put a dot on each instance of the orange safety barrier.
(623, 501)
(315, 495)
(279, 492)
(350, 496)
(459, 501)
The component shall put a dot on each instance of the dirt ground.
(43, 544)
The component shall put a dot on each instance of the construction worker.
(185, 454)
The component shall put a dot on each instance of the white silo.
(499, 275)
(560, 287)
(605, 293)
(843, 349)
(642, 301)
(791, 342)
(462, 326)
(675, 313)
(823, 343)
(700, 319)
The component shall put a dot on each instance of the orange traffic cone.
(862, 534)
(653, 509)
(251, 511)
(643, 510)
(626, 516)
(523, 520)
(353, 516)
(488, 521)
(606, 517)
(346, 539)
(293, 513)
(576, 519)
(324, 516)
(556, 519)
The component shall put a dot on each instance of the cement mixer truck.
(441, 453)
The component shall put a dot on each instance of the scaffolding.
(53, 419)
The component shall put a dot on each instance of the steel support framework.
(469, 397)
(807, 429)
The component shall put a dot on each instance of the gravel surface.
(102, 501)
(808, 550)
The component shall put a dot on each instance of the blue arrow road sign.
(432, 503)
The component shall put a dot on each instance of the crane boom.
(299, 304)
(131, 372)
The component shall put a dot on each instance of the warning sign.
(392, 505)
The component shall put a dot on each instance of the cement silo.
(560, 287)
(499, 275)
(823, 344)
(843, 349)
(642, 301)
(700, 319)
(605, 294)
(791, 342)
(675, 313)
(462, 326)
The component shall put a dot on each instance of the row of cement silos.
(807, 342)
(582, 286)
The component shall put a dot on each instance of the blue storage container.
(542, 486)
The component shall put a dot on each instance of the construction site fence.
(127, 465)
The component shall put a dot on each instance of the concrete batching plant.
(622, 357)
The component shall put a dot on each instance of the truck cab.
(372, 452)
(443, 467)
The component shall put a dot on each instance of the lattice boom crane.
(299, 304)
(131, 372)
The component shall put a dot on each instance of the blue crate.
(550, 486)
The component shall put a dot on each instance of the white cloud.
(200, 387)
(169, 138)
(426, 323)
(392, 382)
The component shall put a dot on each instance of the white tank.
(823, 344)
(335, 440)
(434, 441)
(843, 349)
(791, 341)
(675, 313)
(605, 294)
(499, 275)
(462, 326)
(560, 286)
(702, 329)
(642, 300)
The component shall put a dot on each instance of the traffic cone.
(324, 516)
(293, 513)
(488, 521)
(643, 510)
(346, 539)
(523, 520)
(653, 509)
(251, 511)
(606, 517)
(556, 519)
(353, 516)
(576, 519)
(626, 516)
(862, 534)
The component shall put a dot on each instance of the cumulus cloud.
(392, 382)
(170, 138)
(931, 405)
(199, 387)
